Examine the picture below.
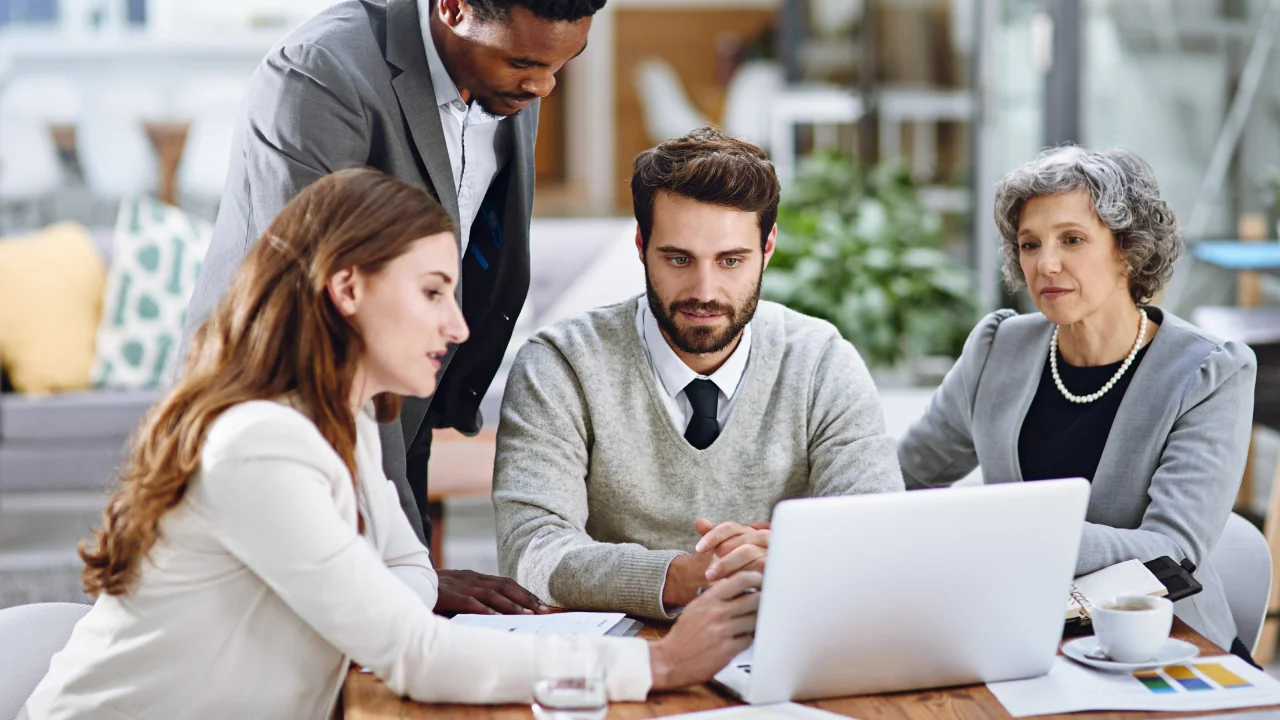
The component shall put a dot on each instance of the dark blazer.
(351, 88)
(1172, 464)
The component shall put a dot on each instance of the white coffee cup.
(1132, 628)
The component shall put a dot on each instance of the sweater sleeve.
(938, 448)
(1195, 485)
(849, 449)
(271, 504)
(540, 499)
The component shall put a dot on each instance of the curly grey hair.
(1125, 196)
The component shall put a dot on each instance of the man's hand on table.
(724, 550)
(464, 591)
(712, 630)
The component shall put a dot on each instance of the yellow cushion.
(50, 301)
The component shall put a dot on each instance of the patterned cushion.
(157, 253)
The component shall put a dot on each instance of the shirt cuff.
(628, 673)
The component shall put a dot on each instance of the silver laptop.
(904, 591)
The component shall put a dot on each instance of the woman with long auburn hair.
(255, 549)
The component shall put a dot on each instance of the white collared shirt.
(479, 143)
(672, 375)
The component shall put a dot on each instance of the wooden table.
(366, 698)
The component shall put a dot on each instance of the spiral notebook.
(1130, 577)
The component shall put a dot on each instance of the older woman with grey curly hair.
(1099, 384)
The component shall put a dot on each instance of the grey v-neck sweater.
(595, 489)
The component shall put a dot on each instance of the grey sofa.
(71, 441)
(75, 441)
(68, 441)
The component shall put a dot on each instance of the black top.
(1062, 439)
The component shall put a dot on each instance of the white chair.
(668, 112)
(1243, 561)
(115, 153)
(29, 637)
(29, 167)
(212, 105)
(747, 101)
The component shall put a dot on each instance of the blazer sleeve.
(540, 498)
(1194, 487)
(938, 449)
(302, 119)
(403, 552)
(270, 502)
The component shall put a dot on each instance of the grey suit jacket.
(1172, 464)
(351, 87)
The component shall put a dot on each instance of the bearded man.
(644, 445)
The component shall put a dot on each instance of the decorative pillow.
(50, 299)
(156, 256)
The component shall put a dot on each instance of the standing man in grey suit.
(441, 93)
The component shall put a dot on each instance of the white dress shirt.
(672, 375)
(479, 143)
(260, 592)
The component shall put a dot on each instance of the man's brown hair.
(711, 167)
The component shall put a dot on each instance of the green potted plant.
(857, 248)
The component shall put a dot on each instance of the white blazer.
(261, 592)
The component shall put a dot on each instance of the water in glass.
(569, 684)
(581, 698)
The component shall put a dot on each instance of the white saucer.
(1173, 652)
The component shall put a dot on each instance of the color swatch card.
(1211, 683)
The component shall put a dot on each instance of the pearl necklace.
(1053, 364)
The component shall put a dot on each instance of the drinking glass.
(569, 680)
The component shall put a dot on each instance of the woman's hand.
(713, 629)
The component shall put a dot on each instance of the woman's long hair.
(275, 333)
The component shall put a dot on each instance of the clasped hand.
(723, 551)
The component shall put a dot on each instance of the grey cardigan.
(1172, 465)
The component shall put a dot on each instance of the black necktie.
(704, 396)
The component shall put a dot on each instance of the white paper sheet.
(571, 623)
(781, 711)
(1208, 683)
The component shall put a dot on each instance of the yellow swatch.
(1222, 676)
